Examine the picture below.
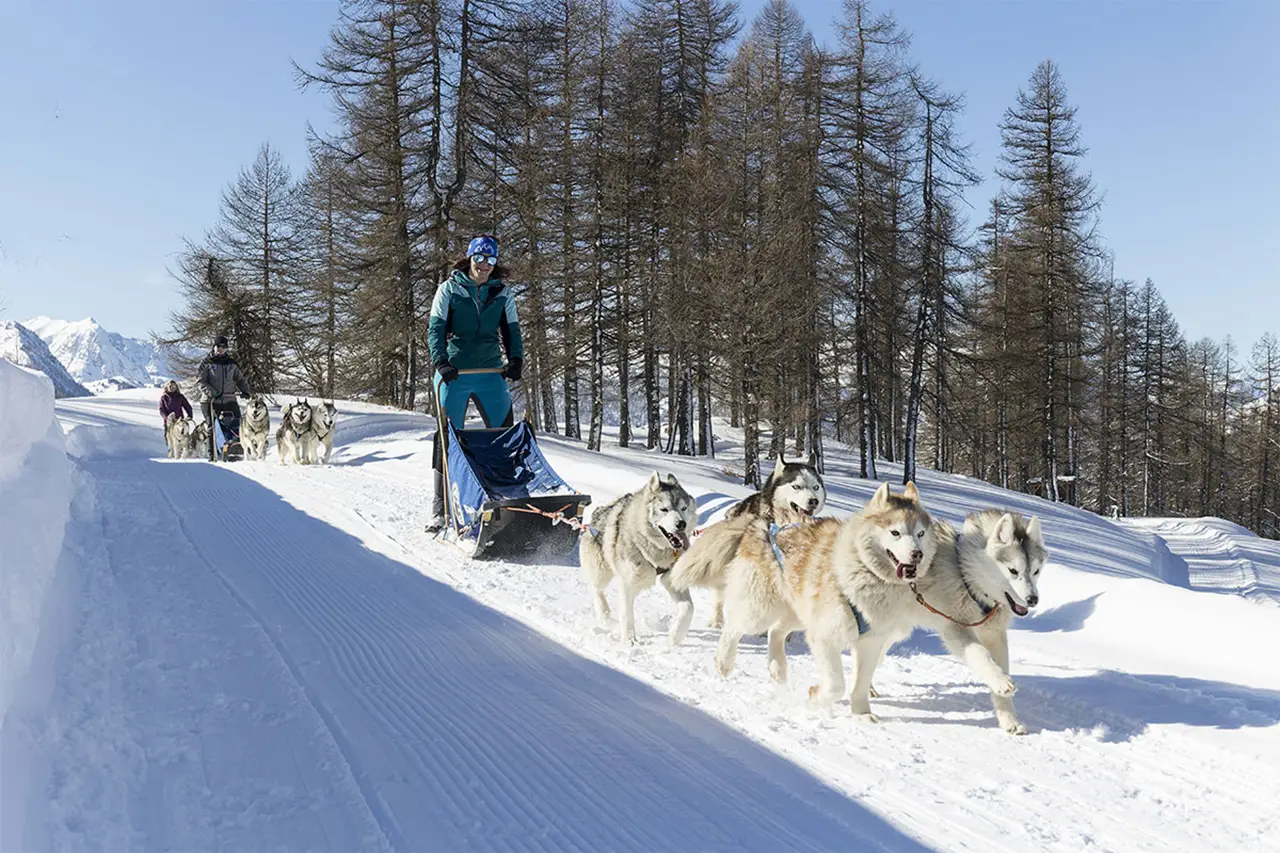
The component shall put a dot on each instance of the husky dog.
(792, 489)
(177, 434)
(198, 444)
(793, 492)
(982, 577)
(848, 584)
(323, 420)
(294, 434)
(637, 539)
(255, 428)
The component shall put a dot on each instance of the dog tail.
(704, 564)
(591, 554)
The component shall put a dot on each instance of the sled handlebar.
(470, 370)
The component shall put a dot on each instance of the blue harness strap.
(863, 625)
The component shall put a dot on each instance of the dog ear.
(779, 466)
(881, 497)
(1033, 531)
(910, 492)
(671, 480)
(1004, 530)
(655, 482)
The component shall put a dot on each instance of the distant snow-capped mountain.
(99, 359)
(26, 349)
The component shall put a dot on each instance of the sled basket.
(503, 494)
(226, 434)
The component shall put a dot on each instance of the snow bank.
(91, 441)
(35, 502)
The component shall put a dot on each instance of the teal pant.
(490, 392)
(493, 401)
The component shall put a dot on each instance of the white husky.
(324, 419)
(983, 577)
(177, 435)
(255, 428)
(636, 539)
(294, 435)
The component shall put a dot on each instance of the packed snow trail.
(248, 677)
(1218, 556)
(391, 693)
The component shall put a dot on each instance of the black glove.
(447, 372)
(514, 369)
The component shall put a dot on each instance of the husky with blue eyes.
(637, 539)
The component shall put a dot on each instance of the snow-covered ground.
(270, 657)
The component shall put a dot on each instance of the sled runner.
(502, 497)
(226, 434)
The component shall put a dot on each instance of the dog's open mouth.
(1015, 606)
(679, 540)
(806, 512)
(906, 571)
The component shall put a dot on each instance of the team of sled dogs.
(862, 583)
(304, 437)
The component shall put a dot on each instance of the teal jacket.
(468, 320)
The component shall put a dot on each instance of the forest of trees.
(711, 218)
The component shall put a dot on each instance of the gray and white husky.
(636, 539)
(177, 435)
(294, 434)
(793, 492)
(987, 573)
(198, 443)
(255, 428)
(324, 419)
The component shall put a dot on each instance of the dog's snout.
(813, 503)
(1033, 600)
(680, 525)
(917, 555)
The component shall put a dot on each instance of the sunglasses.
(491, 260)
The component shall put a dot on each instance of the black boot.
(436, 523)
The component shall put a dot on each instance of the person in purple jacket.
(172, 401)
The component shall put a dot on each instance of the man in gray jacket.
(219, 377)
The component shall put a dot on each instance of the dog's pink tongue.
(901, 571)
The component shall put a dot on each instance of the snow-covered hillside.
(102, 361)
(24, 348)
(279, 657)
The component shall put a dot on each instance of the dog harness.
(774, 529)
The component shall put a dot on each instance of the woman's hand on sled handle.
(514, 369)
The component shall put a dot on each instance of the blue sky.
(121, 122)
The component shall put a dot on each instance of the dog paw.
(1004, 686)
(1011, 724)
(778, 671)
(867, 717)
(820, 701)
